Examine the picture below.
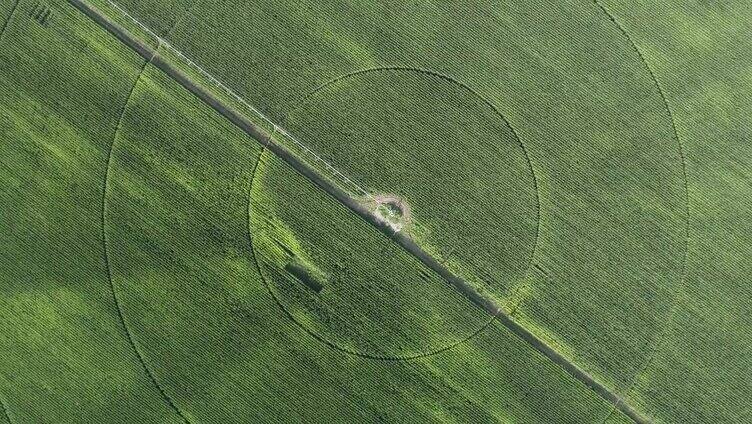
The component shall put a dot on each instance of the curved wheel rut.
(662, 335)
(10, 18)
(116, 297)
(113, 289)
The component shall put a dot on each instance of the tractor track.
(263, 136)
(10, 18)
(687, 215)
(105, 244)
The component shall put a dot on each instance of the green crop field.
(357, 211)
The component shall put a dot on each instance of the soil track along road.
(263, 137)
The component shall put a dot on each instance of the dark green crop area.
(583, 165)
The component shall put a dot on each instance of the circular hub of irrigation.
(466, 193)
(391, 210)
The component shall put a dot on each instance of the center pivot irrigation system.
(335, 183)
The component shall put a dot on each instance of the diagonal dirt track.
(263, 137)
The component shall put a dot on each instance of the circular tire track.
(681, 153)
(662, 335)
(105, 245)
(421, 71)
(10, 18)
(105, 190)
(495, 110)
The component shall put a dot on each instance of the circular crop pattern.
(601, 211)
(464, 187)
(445, 151)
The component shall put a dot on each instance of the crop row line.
(214, 80)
